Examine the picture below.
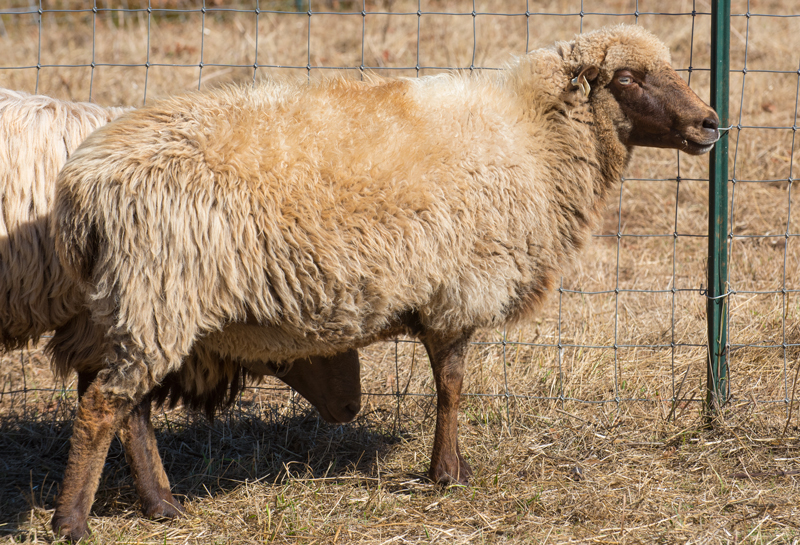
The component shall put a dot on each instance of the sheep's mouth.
(674, 140)
(697, 144)
(696, 148)
(340, 415)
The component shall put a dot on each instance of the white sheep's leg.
(447, 360)
(141, 451)
(108, 400)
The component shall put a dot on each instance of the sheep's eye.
(624, 80)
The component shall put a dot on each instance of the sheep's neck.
(594, 164)
(599, 158)
(587, 169)
(612, 154)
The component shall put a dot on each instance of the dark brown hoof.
(448, 474)
(164, 509)
(70, 528)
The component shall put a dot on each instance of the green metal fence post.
(717, 378)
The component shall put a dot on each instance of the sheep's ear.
(564, 49)
(587, 74)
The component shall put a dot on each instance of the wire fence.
(781, 288)
(627, 324)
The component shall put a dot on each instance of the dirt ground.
(584, 425)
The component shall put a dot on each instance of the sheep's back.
(320, 215)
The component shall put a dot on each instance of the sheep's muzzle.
(664, 112)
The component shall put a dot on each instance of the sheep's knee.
(129, 372)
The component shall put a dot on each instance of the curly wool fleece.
(305, 219)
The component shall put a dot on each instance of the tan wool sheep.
(292, 219)
(37, 135)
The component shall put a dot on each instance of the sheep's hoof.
(454, 473)
(164, 509)
(70, 528)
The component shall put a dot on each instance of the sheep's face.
(627, 72)
(662, 111)
(332, 385)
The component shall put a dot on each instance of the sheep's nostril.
(711, 123)
(354, 407)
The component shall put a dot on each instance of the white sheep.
(37, 136)
(304, 219)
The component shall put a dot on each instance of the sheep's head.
(332, 384)
(629, 72)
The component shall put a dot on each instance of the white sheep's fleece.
(37, 136)
(306, 219)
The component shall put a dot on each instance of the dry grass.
(636, 466)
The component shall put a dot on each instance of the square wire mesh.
(627, 323)
(763, 305)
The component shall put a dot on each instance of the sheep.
(297, 219)
(37, 135)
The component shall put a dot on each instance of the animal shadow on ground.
(247, 442)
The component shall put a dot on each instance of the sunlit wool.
(293, 220)
(302, 219)
(37, 136)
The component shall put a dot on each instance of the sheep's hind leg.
(447, 361)
(139, 439)
(99, 416)
(103, 407)
(149, 477)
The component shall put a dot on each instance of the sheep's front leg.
(141, 451)
(99, 416)
(447, 360)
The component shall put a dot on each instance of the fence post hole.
(717, 302)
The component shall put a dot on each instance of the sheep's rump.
(37, 136)
(305, 220)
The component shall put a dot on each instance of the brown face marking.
(664, 112)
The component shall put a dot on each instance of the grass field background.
(582, 426)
